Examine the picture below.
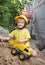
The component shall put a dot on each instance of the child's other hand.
(20, 41)
(7, 38)
(1, 38)
(23, 41)
(34, 53)
(4, 38)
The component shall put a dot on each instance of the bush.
(8, 10)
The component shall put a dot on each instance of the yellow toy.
(23, 50)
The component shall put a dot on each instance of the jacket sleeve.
(28, 34)
(12, 34)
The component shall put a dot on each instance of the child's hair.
(29, 21)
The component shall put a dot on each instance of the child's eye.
(21, 22)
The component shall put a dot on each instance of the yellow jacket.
(20, 34)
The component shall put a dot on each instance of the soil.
(6, 58)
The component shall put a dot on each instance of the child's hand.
(23, 41)
(34, 53)
(7, 38)
(4, 38)
(1, 38)
(20, 41)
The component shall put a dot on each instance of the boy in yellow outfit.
(21, 34)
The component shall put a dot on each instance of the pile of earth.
(6, 58)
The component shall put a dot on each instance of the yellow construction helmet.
(22, 17)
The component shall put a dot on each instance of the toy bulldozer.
(23, 50)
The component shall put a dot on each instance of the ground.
(6, 58)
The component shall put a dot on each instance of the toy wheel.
(22, 56)
(14, 51)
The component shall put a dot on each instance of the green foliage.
(8, 10)
(4, 16)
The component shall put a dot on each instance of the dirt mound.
(6, 58)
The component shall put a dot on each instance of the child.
(21, 34)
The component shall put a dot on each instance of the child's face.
(21, 23)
